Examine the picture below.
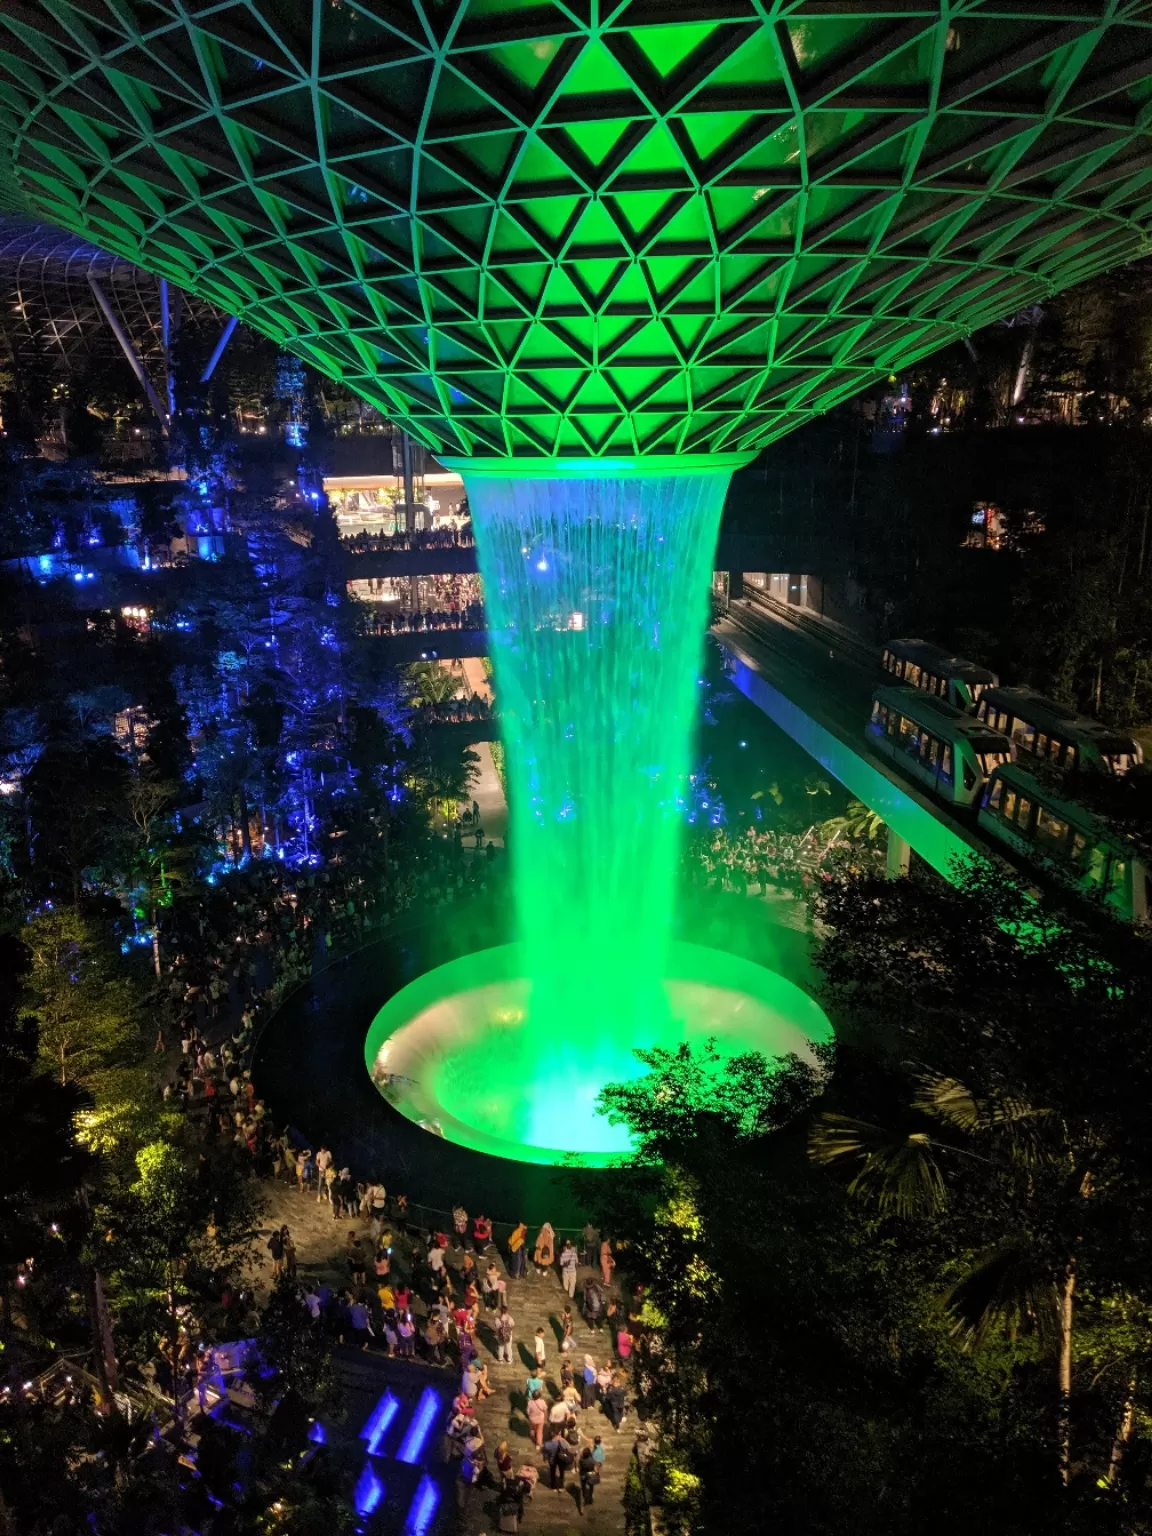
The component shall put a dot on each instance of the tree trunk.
(1123, 1431)
(155, 942)
(245, 829)
(103, 1349)
(1067, 1291)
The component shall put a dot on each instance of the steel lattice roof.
(48, 310)
(582, 227)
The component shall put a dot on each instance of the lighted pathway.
(534, 1303)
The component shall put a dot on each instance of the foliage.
(908, 1286)
(291, 1346)
(167, 1244)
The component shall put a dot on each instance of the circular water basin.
(456, 1052)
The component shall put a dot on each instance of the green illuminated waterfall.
(597, 596)
(596, 588)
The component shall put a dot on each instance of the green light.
(537, 230)
(458, 1050)
(597, 593)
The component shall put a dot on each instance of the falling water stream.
(596, 592)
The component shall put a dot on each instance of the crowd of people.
(436, 1292)
(420, 1287)
(472, 706)
(755, 863)
(403, 621)
(365, 543)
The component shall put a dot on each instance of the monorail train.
(1065, 838)
(928, 667)
(1039, 727)
(942, 746)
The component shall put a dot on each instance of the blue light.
(541, 565)
(379, 1421)
(413, 1445)
(317, 1433)
(79, 576)
(422, 1511)
(369, 1491)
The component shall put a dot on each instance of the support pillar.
(899, 858)
(409, 495)
(128, 350)
(218, 350)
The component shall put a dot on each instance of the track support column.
(899, 858)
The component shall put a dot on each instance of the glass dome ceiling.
(576, 228)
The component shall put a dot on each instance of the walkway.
(533, 1302)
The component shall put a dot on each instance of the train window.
(946, 765)
(892, 724)
(994, 796)
(886, 661)
(1010, 805)
(1024, 734)
(931, 752)
(1049, 827)
(1079, 847)
(1023, 813)
(877, 710)
(1117, 874)
(969, 774)
(907, 727)
(912, 673)
(1041, 748)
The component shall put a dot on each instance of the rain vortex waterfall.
(597, 596)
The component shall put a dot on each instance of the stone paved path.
(534, 1302)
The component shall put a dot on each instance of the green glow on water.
(597, 598)
(596, 584)
(459, 1051)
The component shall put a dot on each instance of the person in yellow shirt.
(387, 1296)
(516, 1251)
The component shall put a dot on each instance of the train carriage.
(1066, 839)
(943, 747)
(919, 664)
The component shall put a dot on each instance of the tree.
(170, 1239)
(432, 683)
(83, 1011)
(158, 863)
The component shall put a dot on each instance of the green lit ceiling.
(586, 228)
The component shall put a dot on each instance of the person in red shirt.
(481, 1231)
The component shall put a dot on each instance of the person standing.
(545, 1251)
(589, 1474)
(569, 1263)
(614, 1403)
(516, 1262)
(559, 1459)
(607, 1262)
(537, 1418)
(505, 1324)
(588, 1383)
(276, 1249)
(323, 1163)
(541, 1354)
(591, 1245)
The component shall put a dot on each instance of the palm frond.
(948, 1099)
(1010, 1289)
(895, 1168)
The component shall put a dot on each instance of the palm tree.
(1027, 1280)
(433, 683)
(859, 822)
